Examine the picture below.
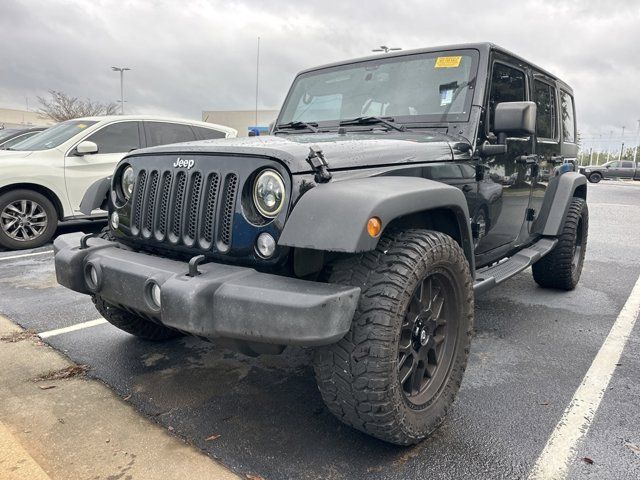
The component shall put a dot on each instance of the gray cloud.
(200, 55)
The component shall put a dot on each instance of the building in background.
(242, 120)
(10, 118)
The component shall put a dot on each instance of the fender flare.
(560, 191)
(333, 216)
(96, 196)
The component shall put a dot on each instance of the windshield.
(429, 87)
(7, 132)
(54, 136)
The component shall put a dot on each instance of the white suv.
(43, 178)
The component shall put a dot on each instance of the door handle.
(467, 188)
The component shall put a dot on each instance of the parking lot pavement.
(530, 354)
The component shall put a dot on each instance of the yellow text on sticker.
(448, 62)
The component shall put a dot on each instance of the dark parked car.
(392, 190)
(625, 169)
(12, 136)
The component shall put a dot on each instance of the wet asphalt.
(530, 352)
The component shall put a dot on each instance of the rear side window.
(507, 85)
(162, 133)
(568, 117)
(208, 133)
(119, 137)
(627, 164)
(545, 97)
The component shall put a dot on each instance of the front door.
(506, 183)
(114, 141)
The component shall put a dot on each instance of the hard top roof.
(483, 47)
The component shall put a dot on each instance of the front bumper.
(222, 301)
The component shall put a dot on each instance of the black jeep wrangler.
(391, 190)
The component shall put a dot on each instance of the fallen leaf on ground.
(68, 372)
(14, 337)
(47, 387)
(633, 447)
(587, 460)
(212, 438)
(127, 397)
(253, 477)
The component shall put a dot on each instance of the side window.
(568, 118)
(545, 97)
(162, 133)
(507, 85)
(117, 138)
(208, 133)
(614, 164)
(627, 164)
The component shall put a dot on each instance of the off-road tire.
(51, 216)
(561, 268)
(358, 376)
(133, 324)
(595, 177)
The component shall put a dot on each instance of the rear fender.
(557, 198)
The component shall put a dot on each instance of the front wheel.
(561, 268)
(397, 371)
(595, 177)
(28, 219)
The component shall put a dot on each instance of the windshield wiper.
(297, 125)
(371, 120)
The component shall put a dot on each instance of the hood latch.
(319, 164)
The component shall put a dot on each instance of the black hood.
(347, 151)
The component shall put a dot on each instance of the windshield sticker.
(81, 126)
(448, 62)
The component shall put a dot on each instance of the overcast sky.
(189, 56)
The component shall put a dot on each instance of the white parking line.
(554, 460)
(26, 255)
(72, 328)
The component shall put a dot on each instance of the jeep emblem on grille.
(184, 163)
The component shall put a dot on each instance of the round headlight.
(268, 193)
(126, 182)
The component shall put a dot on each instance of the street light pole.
(622, 147)
(121, 70)
(635, 153)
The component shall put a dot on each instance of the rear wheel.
(28, 219)
(595, 177)
(561, 268)
(133, 324)
(397, 371)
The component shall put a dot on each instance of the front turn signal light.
(374, 227)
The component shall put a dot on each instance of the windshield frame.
(408, 120)
(54, 129)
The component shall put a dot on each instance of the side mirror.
(86, 148)
(515, 119)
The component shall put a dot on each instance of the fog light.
(91, 277)
(265, 245)
(155, 295)
(115, 220)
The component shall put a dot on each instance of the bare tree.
(60, 107)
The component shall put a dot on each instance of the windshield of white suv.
(428, 87)
(54, 136)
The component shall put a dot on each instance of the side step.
(489, 277)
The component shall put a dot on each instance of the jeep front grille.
(188, 208)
